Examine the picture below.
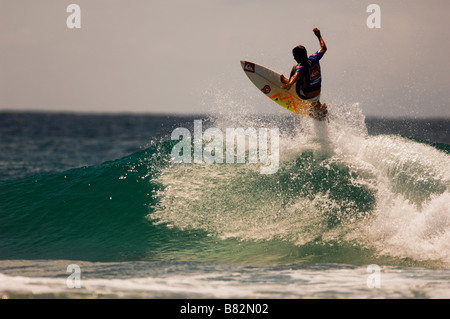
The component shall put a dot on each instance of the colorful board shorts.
(312, 99)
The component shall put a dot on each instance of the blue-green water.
(102, 192)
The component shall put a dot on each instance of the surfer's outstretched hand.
(317, 32)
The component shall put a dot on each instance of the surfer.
(307, 78)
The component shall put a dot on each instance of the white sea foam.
(221, 281)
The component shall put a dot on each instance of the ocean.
(93, 206)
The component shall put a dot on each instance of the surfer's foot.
(319, 107)
(319, 111)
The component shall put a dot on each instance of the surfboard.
(269, 83)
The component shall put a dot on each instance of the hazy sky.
(183, 56)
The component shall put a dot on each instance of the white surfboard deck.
(269, 83)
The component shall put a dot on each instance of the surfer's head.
(300, 53)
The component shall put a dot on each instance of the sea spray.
(333, 187)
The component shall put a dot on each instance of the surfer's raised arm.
(323, 46)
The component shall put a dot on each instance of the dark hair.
(300, 52)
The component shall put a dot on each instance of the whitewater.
(336, 184)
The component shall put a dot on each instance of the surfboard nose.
(248, 66)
